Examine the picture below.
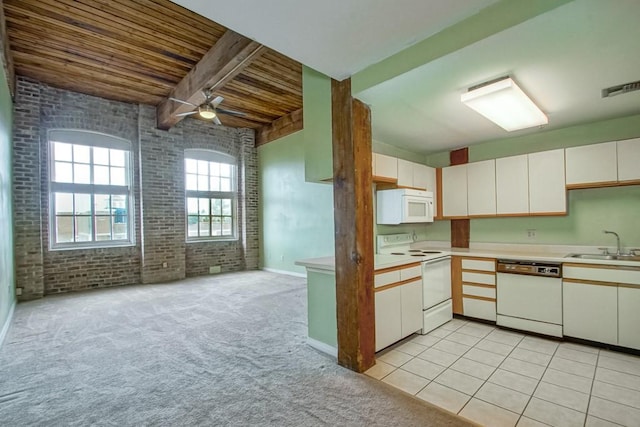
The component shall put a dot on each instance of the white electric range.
(436, 277)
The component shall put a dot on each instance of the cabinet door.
(405, 173)
(431, 184)
(590, 311)
(512, 185)
(411, 307)
(591, 164)
(481, 188)
(454, 191)
(421, 177)
(629, 160)
(388, 317)
(547, 188)
(629, 317)
(385, 166)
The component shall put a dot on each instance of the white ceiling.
(337, 37)
(561, 59)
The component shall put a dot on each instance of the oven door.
(417, 209)
(436, 281)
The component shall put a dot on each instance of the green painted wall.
(296, 217)
(7, 266)
(491, 20)
(321, 300)
(316, 101)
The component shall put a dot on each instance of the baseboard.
(323, 347)
(7, 324)
(288, 273)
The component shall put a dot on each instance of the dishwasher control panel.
(532, 268)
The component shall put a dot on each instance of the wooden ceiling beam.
(285, 125)
(226, 59)
(5, 50)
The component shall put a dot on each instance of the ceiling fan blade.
(183, 102)
(186, 114)
(216, 120)
(216, 101)
(230, 112)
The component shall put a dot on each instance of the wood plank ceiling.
(137, 51)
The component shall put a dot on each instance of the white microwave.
(404, 205)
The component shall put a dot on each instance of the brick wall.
(158, 192)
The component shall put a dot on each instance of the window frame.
(99, 140)
(217, 157)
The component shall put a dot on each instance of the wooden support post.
(353, 219)
(460, 228)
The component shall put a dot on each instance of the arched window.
(211, 201)
(90, 195)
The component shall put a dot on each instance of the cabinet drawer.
(477, 264)
(411, 272)
(382, 279)
(627, 275)
(485, 279)
(478, 291)
(479, 309)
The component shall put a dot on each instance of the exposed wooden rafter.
(285, 125)
(7, 58)
(221, 64)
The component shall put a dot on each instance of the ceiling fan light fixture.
(206, 112)
(505, 104)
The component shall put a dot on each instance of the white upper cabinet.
(422, 177)
(454, 191)
(591, 164)
(385, 166)
(629, 160)
(512, 185)
(481, 188)
(405, 173)
(547, 191)
(414, 175)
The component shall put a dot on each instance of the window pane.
(226, 207)
(216, 226)
(118, 176)
(227, 226)
(83, 229)
(81, 174)
(192, 182)
(216, 206)
(192, 206)
(190, 166)
(100, 156)
(82, 204)
(203, 183)
(203, 167)
(64, 172)
(64, 229)
(62, 151)
(63, 203)
(215, 169)
(225, 170)
(215, 183)
(203, 206)
(101, 204)
(204, 226)
(225, 184)
(118, 201)
(103, 228)
(101, 175)
(118, 157)
(119, 225)
(192, 226)
(81, 154)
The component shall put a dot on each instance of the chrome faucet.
(617, 240)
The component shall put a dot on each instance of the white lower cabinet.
(480, 309)
(629, 317)
(411, 299)
(590, 311)
(388, 317)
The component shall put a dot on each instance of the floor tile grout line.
(615, 384)
(593, 381)
(621, 372)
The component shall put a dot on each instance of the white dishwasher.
(529, 296)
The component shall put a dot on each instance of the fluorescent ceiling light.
(206, 112)
(505, 104)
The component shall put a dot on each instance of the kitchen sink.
(605, 257)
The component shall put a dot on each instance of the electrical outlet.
(531, 233)
(281, 257)
(165, 265)
(214, 269)
(18, 292)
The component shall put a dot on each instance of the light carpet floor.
(225, 350)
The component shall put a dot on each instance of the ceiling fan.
(209, 109)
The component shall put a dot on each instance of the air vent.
(620, 89)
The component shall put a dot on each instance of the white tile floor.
(501, 378)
